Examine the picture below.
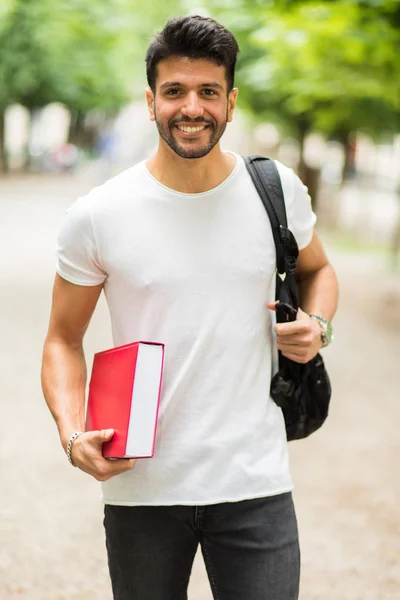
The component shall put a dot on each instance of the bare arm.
(301, 340)
(64, 376)
(317, 281)
(64, 367)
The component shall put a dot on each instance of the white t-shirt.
(194, 271)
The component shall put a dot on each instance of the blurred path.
(347, 475)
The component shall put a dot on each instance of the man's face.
(191, 106)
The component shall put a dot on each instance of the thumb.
(107, 434)
(301, 315)
(271, 306)
(104, 435)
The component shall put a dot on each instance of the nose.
(192, 107)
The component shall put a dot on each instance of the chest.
(156, 245)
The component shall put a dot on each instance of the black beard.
(167, 134)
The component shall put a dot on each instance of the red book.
(124, 395)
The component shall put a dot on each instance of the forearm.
(63, 383)
(319, 292)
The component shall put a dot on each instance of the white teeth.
(190, 129)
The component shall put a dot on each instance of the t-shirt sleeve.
(77, 255)
(300, 216)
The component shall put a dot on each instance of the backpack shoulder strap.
(267, 182)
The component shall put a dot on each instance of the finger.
(292, 349)
(91, 444)
(286, 350)
(293, 327)
(302, 316)
(98, 438)
(271, 305)
(295, 341)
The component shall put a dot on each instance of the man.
(183, 249)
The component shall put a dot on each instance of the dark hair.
(194, 37)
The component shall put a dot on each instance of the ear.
(233, 94)
(150, 104)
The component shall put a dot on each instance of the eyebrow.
(212, 84)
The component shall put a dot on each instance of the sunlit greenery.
(329, 66)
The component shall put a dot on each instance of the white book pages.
(142, 422)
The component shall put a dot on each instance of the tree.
(326, 66)
(87, 54)
(26, 74)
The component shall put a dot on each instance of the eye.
(172, 92)
(209, 92)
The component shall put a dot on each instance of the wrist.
(67, 431)
(326, 329)
(70, 445)
(317, 334)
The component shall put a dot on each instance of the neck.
(190, 175)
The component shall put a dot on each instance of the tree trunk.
(310, 176)
(395, 245)
(3, 151)
(301, 140)
(79, 134)
(75, 127)
(349, 166)
(348, 141)
(28, 161)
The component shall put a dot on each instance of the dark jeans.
(250, 549)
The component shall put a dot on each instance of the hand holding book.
(87, 455)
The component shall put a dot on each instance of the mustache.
(188, 120)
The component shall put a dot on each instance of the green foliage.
(84, 42)
(88, 54)
(326, 65)
(24, 62)
(330, 66)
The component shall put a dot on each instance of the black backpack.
(303, 391)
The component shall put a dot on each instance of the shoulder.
(286, 175)
(288, 179)
(285, 172)
(110, 192)
(301, 218)
(293, 188)
(86, 213)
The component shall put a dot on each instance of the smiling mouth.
(191, 129)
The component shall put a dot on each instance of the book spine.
(158, 402)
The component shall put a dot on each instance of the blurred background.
(319, 89)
